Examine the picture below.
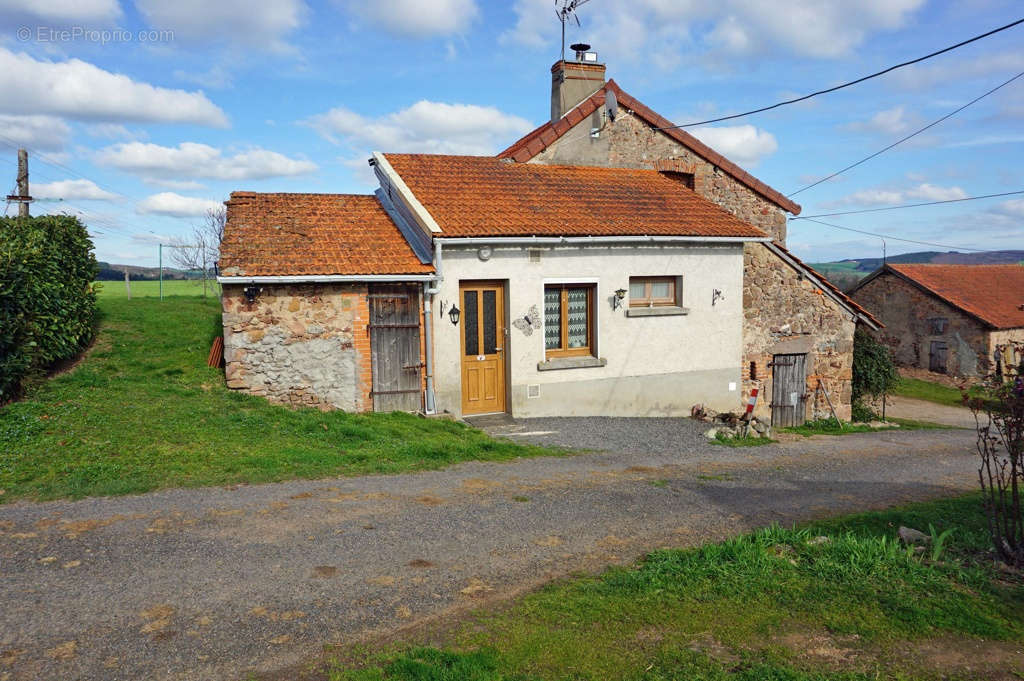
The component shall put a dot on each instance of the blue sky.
(142, 114)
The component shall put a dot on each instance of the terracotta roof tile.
(992, 293)
(488, 196)
(318, 234)
(530, 141)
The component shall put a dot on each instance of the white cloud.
(1013, 208)
(892, 121)
(70, 190)
(80, 90)
(176, 205)
(923, 77)
(216, 78)
(663, 30)
(113, 131)
(417, 18)
(60, 12)
(742, 144)
(430, 127)
(891, 196)
(242, 22)
(44, 133)
(193, 160)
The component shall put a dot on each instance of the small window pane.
(579, 302)
(469, 323)
(661, 289)
(636, 289)
(490, 324)
(552, 318)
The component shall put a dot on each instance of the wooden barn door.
(395, 347)
(789, 385)
(937, 357)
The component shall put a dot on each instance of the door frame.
(503, 337)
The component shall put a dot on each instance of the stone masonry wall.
(907, 312)
(631, 143)
(300, 345)
(785, 314)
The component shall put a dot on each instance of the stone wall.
(787, 314)
(907, 312)
(301, 345)
(631, 143)
(1011, 343)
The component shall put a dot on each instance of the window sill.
(665, 311)
(556, 363)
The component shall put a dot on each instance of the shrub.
(874, 372)
(47, 302)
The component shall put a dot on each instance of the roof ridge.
(535, 141)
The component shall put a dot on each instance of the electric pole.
(22, 198)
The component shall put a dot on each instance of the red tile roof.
(538, 140)
(315, 234)
(992, 293)
(486, 196)
(835, 290)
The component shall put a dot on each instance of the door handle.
(497, 349)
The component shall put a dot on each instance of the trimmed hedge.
(47, 301)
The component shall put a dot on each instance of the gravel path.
(922, 410)
(216, 583)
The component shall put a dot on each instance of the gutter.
(326, 278)
(429, 291)
(584, 240)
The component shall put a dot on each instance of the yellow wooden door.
(483, 339)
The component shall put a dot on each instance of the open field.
(142, 411)
(151, 289)
(917, 389)
(777, 604)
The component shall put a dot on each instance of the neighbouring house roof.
(483, 196)
(541, 138)
(829, 288)
(312, 234)
(993, 294)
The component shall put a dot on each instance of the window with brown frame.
(569, 320)
(654, 291)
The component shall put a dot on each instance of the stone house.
(794, 318)
(623, 269)
(952, 319)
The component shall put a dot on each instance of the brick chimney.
(574, 81)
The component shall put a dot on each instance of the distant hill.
(846, 273)
(113, 272)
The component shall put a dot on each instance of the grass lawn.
(831, 427)
(151, 289)
(926, 390)
(774, 605)
(142, 411)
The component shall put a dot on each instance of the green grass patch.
(832, 427)
(151, 289)
(741, 441)
(143, 411)
(738, 610)
(917, 389)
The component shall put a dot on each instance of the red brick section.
(486, 196)
(289, 234)
(992, 293)
(536, 141)
(831, 287)
(361, 343)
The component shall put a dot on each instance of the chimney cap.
(579, 47)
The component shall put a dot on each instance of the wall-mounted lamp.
(453, 314)
(620, 295)
(251, 292)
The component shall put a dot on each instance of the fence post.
(161, 271)
(127, 285)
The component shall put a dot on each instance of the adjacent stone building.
(952, 319)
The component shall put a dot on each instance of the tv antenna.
(566, 10)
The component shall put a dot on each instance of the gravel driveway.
(216, 583)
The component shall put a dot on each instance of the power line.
(852, 82)
(898, 238)
(906, 205)
(904, 139)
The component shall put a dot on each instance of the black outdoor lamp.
(620, 295)
(453, 314)
(250, 292)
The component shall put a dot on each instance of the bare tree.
(201, 249)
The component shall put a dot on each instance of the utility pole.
(161, 271)
(22, 198)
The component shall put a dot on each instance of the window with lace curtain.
(569, 320)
